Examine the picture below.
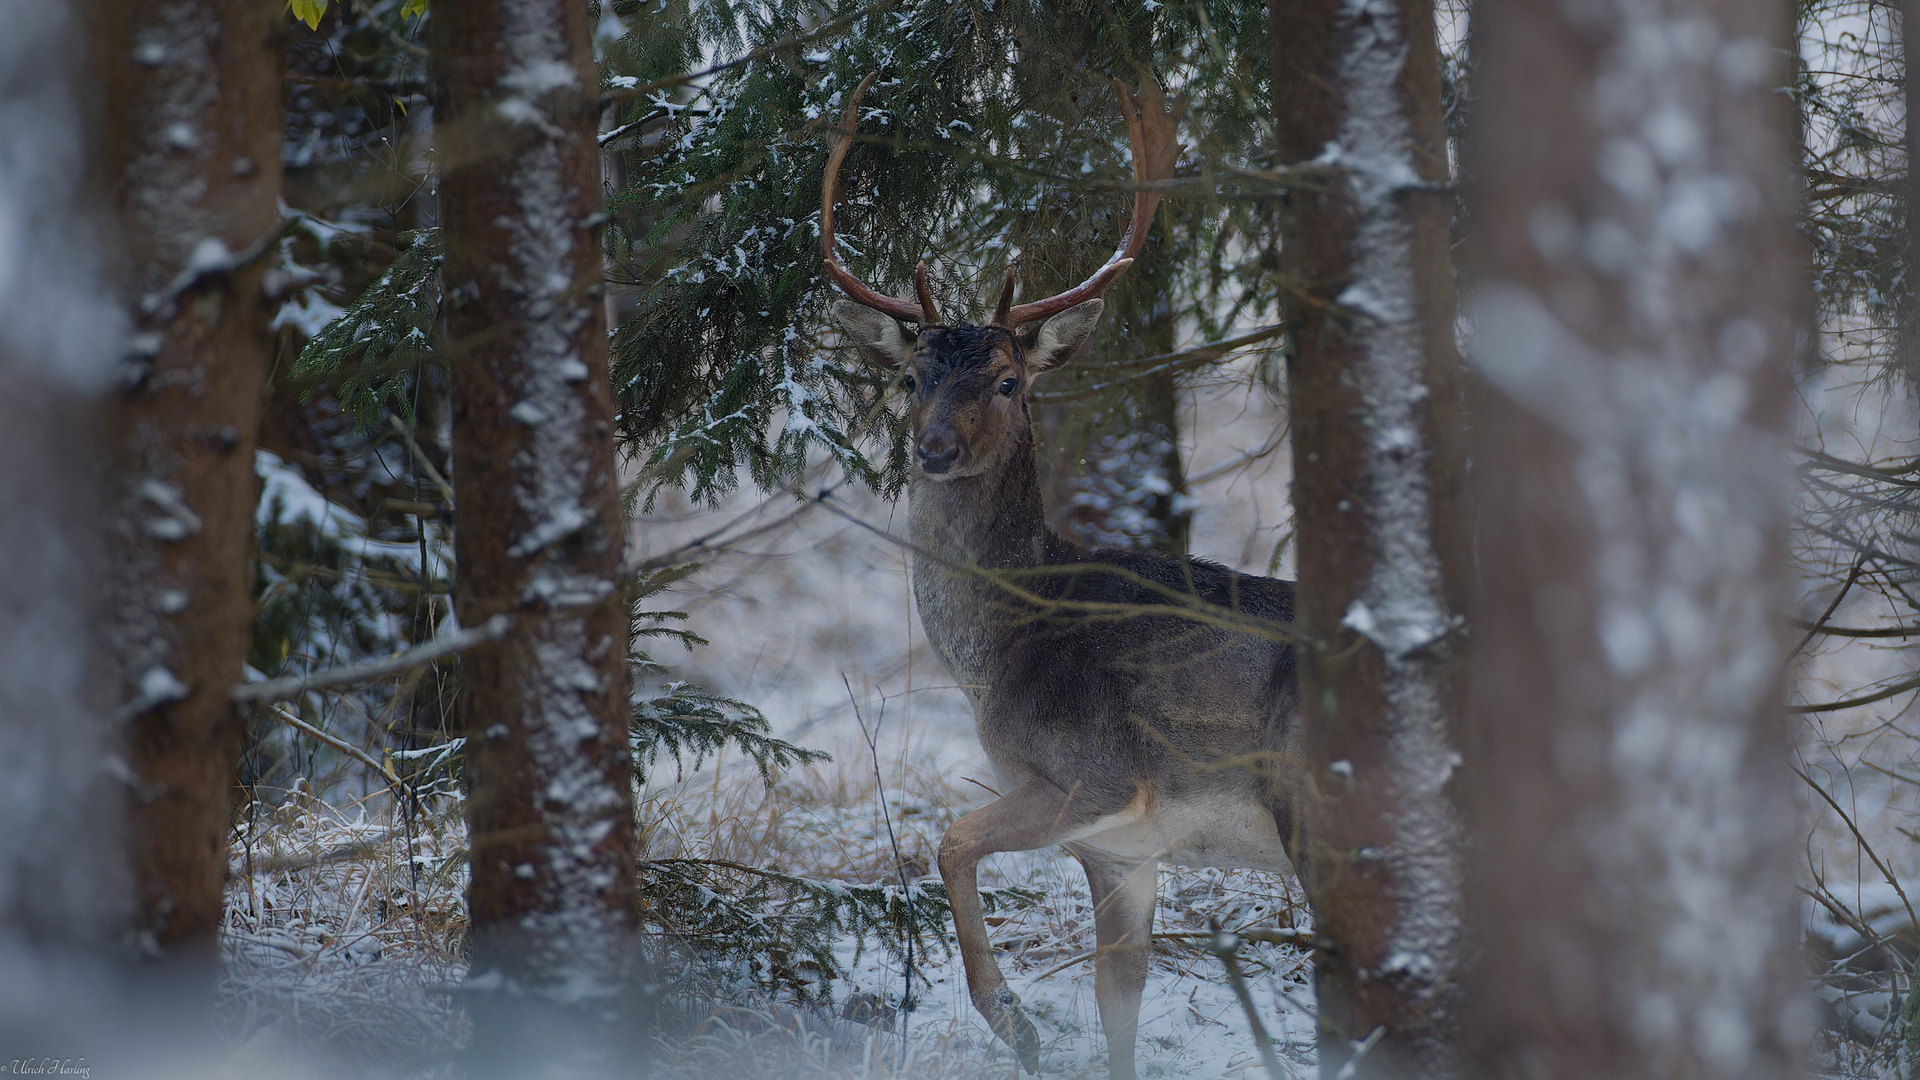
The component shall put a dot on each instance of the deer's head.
(967, 385)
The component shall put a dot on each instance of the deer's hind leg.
(1036, 814)
(1123, 902)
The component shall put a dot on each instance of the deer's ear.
(881, 339)
(1061, 337)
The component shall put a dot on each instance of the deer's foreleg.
(1123, 901)
(1030, 816)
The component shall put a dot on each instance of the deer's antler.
(856, 291)
(1150, 128)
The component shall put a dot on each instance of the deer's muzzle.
(937, 452)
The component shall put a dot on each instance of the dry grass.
(345, 927)
(821, 820)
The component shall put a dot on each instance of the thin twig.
(385, 770)
(1853, 575)
(1305, 174)
(1181, 605)
(609, 136)
(1266, 935)
(1352, 1065)
(419, 456)
(343, 853)
(1892, 774)
(1912, 919)
(1247, 457)
(419, 656)
(1865, 699)
(1226, 945)
(705, 544)
(899, 863)
(1858, 631)
(982, 787)
(1173, 361)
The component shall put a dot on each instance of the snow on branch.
(419, 656)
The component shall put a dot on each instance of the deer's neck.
(990, 521)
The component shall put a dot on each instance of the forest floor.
(346, 919)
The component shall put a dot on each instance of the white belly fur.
(1226, 835)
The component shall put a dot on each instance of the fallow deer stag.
(1136, 708)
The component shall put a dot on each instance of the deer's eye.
(907, 381)
(1008, 385)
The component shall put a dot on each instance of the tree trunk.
(538, 533)
(63, 876)
(192, 153)
(1636, 318)
(1383, 568)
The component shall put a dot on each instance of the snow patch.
(540, 75)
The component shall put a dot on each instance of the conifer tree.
(989, 130)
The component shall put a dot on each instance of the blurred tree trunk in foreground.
(191, 152)
(63, 880)
(1383, 568)
(538, 530)
(1636, 316)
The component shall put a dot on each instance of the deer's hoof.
(1010, 1023)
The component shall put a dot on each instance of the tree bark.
(1636, 317)
(64, 885)
(1383, 566)
(191, 148)
(538, 533)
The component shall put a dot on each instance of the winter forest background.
(370, 368)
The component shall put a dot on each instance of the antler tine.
(929, 312)
(829, 194)
(1154, 153)
(1001, 310)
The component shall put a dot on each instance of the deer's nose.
(938, 455)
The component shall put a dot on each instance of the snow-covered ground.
(332, 931)
(815, 618)
(344, 923)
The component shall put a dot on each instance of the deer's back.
(1123, 681)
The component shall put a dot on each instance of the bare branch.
(433, 474)
(1853, 575)
(1179, 604)
(1895, 690)
(1845, 819)
(1168, 362)
(1857, 631)
(419, 656)
(382, 768)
